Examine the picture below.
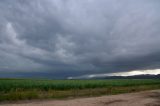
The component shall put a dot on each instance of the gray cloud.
(71, 37)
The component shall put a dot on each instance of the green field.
(21, 89)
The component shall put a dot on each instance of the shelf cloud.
(62, 38)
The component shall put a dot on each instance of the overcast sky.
(62, 38)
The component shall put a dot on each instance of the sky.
(69, 38)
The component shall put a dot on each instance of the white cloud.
(136, 72)
(12, 35)
(129, 73)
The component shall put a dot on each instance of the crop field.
(25, 89)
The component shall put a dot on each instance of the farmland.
(26, 89)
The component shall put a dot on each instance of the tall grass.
(25, 84)
(19, 89)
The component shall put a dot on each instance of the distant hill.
(145, 76)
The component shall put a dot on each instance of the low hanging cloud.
(75, 37)
(129, 73)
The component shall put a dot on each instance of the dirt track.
(147, 98)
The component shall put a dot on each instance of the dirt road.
(146, 98)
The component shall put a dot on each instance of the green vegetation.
(20, 89)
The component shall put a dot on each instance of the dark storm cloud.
(73, 37)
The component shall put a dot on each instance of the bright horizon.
(129, 73)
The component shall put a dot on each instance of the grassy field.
(22, 89)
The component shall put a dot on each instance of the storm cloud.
(62, 38)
